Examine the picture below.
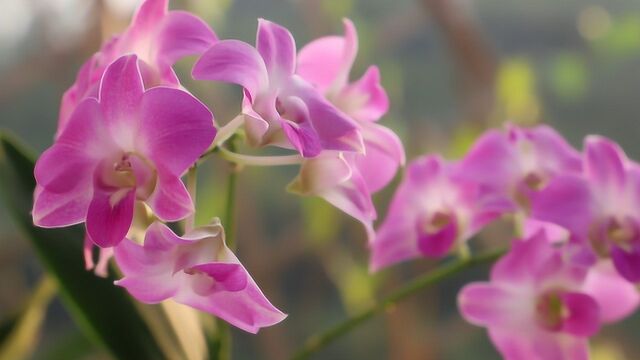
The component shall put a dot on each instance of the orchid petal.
(617, 298)
(121, 90)
(327, 61)
(175, 128)
(183, 34)
(277, 47)
(235, 62)
(109, 215)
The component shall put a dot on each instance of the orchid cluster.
(576, 262)
(129, 131)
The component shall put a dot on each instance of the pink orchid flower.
(347, 180)
(535, 306)
(128, 145)
(279, 107)
(600, 206)
(434, 209)
(197, 270)
(520, 161)
(157, 36)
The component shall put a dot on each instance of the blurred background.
(451, 67)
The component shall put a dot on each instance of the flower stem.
(251, 160)
(319, 341)
(192, 183)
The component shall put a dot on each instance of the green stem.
(192, 183)
(319, 341)
(222, 343)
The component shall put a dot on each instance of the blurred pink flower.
(434, 209)
(197, 270)
(326, 63)
(279, 107)
(157, 36)
(127, 145)
(600, 206)
(520, 161)
(535, 306)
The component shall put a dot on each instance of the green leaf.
(104, 311)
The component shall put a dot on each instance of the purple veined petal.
(617, 298)
(175, 128)
(298, 128)
(255, 126)
(121, 90)
(327, 61)
(437, 243)
(109, 215)
(227, 276)
(52, 210)
(247, 309)
(627, 262)
(583, 314)
(365, 99)
(566, 201)
(277, 47)
(182, 34)
(384, 154)
(321, 173)
(335, 130)
(487, 305)
(170, 200)
(353, 198)
(234, 62)
(605, 164)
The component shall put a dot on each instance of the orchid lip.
(551, 311)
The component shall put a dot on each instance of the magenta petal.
(566, 201)
(484, 304)
(183, 34)
(604, 163)
(110, 215)
(327, 61)
(513, 345)
(393, 243)
(235, 62)
(335, 130)
(170, 200)
(277, 47)
(439, 243)
(228, 277)
(384, 154)
(354, 199)
(627, 262)
(525, 259)
(584, 315)
(149, 14)
(70, 160)
(490, 161)
(366, 98)
(121, 89)
(617, 298)
(247, 309)
(57, 210)
(176, 128)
